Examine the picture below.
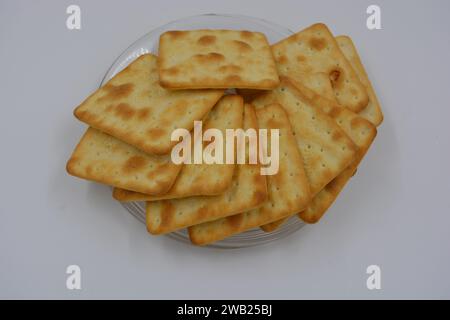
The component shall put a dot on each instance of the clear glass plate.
(149, 43)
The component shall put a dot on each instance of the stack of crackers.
(311, 86)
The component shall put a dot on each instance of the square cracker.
(360, 130)
(316, 50)
(201, 179)
(325, 148)
(105, 159)
(373, 111)
(216, 59)
(134, 108)
(288, 190)
(248, 191)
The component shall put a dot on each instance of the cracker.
(288, 190)
(360, 130)
(216, 59)
(201, 179)
(248, 191)
(134, 108)
(315, 50)
(325, 147)
(373, 111)
(105, 159)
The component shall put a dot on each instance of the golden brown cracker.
(216, 59)
(102, 158)
(315, 50)
(373, 111)
(361, 131)
(134, 108)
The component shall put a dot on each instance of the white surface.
(394, 213)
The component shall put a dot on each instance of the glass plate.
(149, 43)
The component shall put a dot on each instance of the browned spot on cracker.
(259, 197)
(176, 34)
(282, 59)
(246, 34)
(171, 71)
(359, 122)
(274, 123)
(117, 92)
(167, 213)
(143, 113)
(203, 212)
(301, 58)
(206, 40)
(336, 78)
(124, 111)
(335, 112)
(233, 78)
(89, 171)
(134, 163)
(317, 43)
(156, 133)
(232, 68)
(242, 46)
(337, 135)
(235, 220)
(212, 57)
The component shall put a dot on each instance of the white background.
(394, 213)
